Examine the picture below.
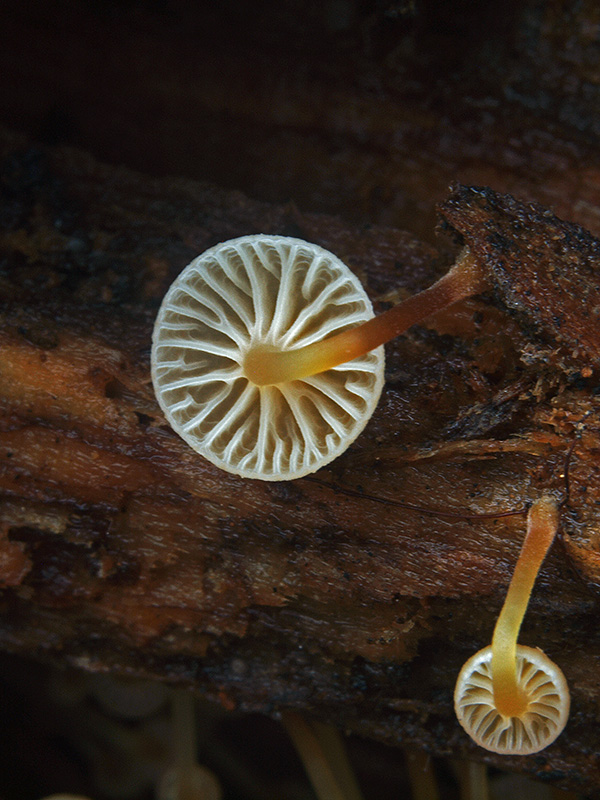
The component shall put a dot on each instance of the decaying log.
(355, 594)
(545, 270)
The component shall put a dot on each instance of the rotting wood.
(544, 270)
(122, 550)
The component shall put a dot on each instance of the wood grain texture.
(544, 269)
(355, 594)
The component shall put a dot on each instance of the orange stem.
(542, 524)
(265, 367)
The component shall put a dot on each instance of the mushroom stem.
(264, 366)
(324, 758)
(542, 524)
(473, 778)
(184, 730)
(186, 779)
(421, 774)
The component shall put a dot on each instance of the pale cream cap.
(546, 714)
(262, 290)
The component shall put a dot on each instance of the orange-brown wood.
(355, 594)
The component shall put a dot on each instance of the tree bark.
(355, 594)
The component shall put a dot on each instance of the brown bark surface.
(355, 594)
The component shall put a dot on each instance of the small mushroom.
(323, 753)
(266, 357)
(186, 779)
(509, 698)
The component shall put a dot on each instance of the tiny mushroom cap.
(512, 699)
(234, 305)
(537, 726)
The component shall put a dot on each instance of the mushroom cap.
(543, 720)
(262, 291)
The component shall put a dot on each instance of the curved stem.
(186, 780)
(264, 367)
(324, 758)
(542, 524)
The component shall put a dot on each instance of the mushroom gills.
(267, 358)
(509, 698)
(255, 294)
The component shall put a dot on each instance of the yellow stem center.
(264, 366)
(542, 524)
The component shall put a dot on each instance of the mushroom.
(266, 357)
(323, 754)
(186, 779)
(509, 698)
